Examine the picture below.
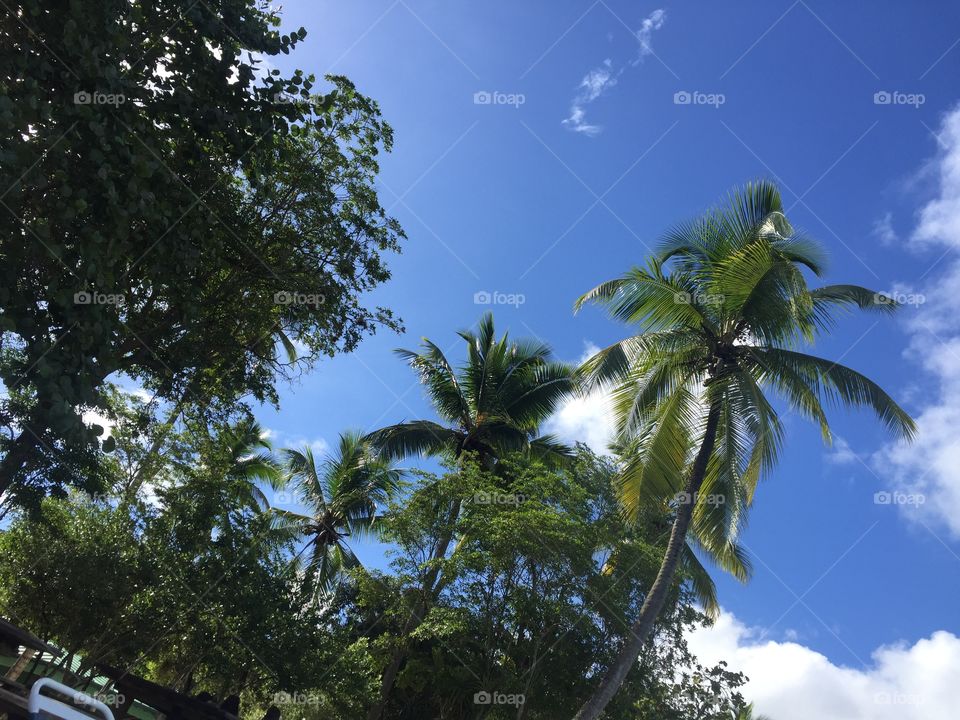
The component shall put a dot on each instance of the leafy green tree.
(172, 213)
(493, 405)
(531, 605)
(720, 310)
(343, 498)
(188, 584)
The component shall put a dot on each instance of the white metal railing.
(45, 703)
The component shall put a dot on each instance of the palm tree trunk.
(657, 595)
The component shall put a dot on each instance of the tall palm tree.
(492, 405)
(343, 496)
(721, 310)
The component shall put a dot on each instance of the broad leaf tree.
(173, 212)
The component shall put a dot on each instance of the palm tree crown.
(250, 461)
(721, 310)
(342, 497)
(493, 404)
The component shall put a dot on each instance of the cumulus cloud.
(600, 79)
(789, 681)
(584, 419)
(939, 219)
(928, 466)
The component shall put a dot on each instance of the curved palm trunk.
(653, 604)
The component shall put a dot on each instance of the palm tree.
(343, 496)
(721, 310)
(492, 405)
(250, 462)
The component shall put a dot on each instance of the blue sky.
(849, 106)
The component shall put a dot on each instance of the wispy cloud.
(883, 229)
(599, 80)
(654, 21)
(591, 87)
(841, 453)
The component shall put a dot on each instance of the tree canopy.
(175, 213)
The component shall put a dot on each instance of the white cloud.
(841, 453)
(596, 81)
(593, 85)
(601, 79)
(939, 220)
(789, 681)
(586, 419)
(578, 123)
(928, 466)
(883, 229)
(654, 21)
(319, 446)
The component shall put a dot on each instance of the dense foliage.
(174, 212)
(193, 583)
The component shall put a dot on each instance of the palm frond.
(839, 385)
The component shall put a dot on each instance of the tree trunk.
(430, 589)
(657, 595)
(14, 461)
